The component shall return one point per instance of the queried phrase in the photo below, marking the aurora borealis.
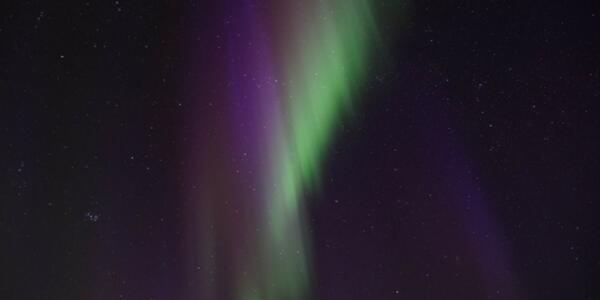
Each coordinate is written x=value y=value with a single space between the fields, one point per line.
x=299 y=150
x=321 y=75
x=294 y=97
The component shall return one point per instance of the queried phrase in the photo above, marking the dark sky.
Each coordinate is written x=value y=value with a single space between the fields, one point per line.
x=470 y=171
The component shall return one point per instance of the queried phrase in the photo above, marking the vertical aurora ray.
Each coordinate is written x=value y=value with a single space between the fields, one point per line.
x=321 y=75
x=288 y=90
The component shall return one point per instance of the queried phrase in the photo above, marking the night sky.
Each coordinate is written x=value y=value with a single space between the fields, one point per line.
x=300 y=149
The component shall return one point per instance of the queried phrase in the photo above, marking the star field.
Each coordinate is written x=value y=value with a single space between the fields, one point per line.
x=158 y=150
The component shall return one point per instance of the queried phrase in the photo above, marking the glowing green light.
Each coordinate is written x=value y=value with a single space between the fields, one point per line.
x=322 y=76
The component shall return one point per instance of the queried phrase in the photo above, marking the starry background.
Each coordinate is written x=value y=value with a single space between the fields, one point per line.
x=470 y=172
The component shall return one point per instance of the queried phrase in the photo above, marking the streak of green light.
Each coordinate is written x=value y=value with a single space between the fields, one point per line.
x=322 y=77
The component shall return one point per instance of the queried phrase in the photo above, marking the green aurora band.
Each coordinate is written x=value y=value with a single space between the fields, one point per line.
x=322 y=75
